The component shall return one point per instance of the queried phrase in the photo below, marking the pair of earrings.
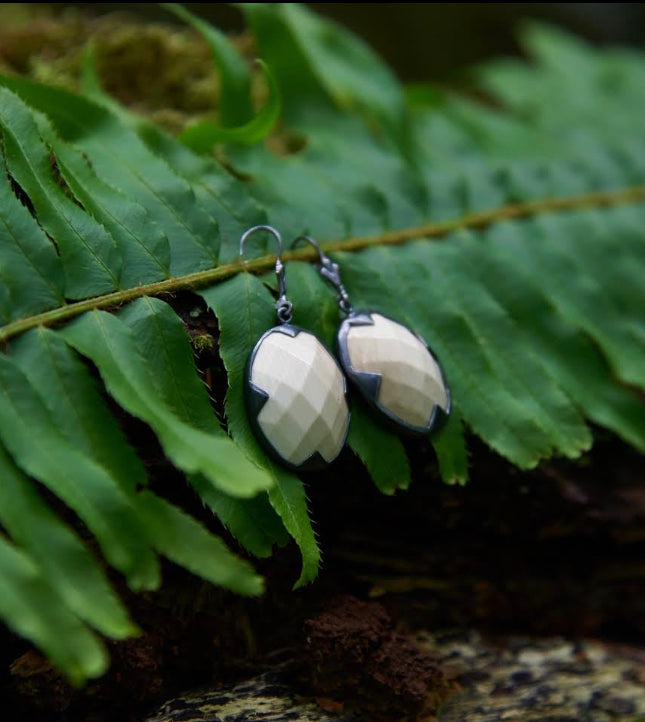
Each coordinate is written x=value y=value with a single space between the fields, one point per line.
x=296 y=390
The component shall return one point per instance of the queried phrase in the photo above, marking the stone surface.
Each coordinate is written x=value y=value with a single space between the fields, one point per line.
x=306 y=410
x=580 y=681
x=269 y=696
x=547 y=680
x=411 y=381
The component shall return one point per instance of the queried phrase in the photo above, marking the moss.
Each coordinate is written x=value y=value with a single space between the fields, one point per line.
x=203 y=342
x=161 y=71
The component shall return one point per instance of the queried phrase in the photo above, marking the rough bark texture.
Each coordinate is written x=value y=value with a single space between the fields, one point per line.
x=353 y=657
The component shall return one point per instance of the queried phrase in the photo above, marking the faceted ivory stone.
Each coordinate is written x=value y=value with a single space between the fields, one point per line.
x=306 y=410
x=411 y=381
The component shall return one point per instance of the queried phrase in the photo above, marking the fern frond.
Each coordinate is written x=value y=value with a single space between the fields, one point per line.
x=511 y=239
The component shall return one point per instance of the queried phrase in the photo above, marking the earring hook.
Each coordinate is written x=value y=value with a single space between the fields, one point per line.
x=283 y=306
x=329 y=270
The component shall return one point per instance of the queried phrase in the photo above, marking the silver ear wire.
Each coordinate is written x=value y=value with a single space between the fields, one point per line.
x=283 y=306
x=295 y=390
x=331 y=272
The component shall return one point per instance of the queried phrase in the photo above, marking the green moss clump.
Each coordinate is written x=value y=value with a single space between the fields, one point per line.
x=162 y=71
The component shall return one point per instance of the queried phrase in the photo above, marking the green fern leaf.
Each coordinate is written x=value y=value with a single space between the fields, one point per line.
x=119 y=157
x=511 y=239
x=31 y=279
x=33 y=609
x=180 y=538
x=143 y=245
x=64 y=561
x=253 y=522
x=91 y=261
x=202 y=136
x=38 y=446
x=315 y=60
x=111 y=345
x=235 y=95
x=245 y=311
x=383 y=454
x=73 y=398
x=450 y=447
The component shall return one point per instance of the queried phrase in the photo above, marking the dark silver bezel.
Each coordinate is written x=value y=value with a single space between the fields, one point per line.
x=255 y=399
x=369 y=383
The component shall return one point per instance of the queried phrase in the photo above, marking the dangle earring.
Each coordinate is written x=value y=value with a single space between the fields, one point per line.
x=392 y=367
x=295 y=389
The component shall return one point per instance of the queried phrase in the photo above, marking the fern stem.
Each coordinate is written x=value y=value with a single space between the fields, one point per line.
x=623 y=196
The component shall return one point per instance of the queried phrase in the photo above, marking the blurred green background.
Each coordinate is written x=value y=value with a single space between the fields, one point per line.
x=434 y=41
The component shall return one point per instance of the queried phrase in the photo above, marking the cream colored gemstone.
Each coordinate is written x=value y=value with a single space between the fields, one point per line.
x=306 y=410
x=411 y=382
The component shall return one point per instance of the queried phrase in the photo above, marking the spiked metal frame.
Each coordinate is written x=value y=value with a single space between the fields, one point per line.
x=369 y=383
x=255 y=398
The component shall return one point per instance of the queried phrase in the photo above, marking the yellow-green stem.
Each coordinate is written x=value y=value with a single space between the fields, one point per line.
x=434 y=231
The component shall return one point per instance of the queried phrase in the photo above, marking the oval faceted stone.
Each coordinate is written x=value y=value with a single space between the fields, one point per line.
x=394 y=369
x=299 y=390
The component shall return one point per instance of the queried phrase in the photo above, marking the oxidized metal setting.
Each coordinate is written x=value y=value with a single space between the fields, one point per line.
x=392 y=366
x=369 y=382
x=306 y=415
